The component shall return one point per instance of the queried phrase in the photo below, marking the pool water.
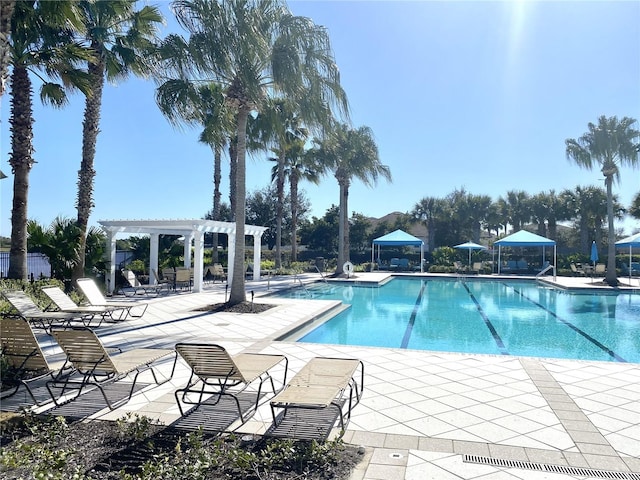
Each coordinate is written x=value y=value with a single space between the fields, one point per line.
x=523 y=318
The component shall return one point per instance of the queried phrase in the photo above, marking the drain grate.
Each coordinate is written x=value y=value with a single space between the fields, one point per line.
x=543 y=467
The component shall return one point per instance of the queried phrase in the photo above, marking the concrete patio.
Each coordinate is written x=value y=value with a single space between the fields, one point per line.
x=423 y=414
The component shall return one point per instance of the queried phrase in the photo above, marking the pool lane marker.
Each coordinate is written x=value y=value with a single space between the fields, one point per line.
x=412 y=320
x=487 y=322
x=610 y=352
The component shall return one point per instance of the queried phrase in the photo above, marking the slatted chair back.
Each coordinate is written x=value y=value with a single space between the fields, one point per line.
x=218 y=271
x=59 y=298
x=91 y=291
x=23 y=303
x=210 y=361
x=20 y=346
x=85 y=350
x=131 y=278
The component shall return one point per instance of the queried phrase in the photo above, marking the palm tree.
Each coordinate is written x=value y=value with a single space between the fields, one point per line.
x=121 y=39
x=610 y=144
x=278 y=124
x=298 y=165
x=6 y=11
x=253 y=49
x=184 y=102
x=428 y=210
x=41 y=41
x=634 y=209
x=518 y=205
x=350 y=154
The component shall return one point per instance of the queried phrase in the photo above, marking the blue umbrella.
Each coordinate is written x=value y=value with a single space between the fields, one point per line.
x=594 y=253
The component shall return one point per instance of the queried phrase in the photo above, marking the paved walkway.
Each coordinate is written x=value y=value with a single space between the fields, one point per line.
x=423 y=414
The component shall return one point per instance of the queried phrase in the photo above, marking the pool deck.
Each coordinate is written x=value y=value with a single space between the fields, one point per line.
x=423 y=414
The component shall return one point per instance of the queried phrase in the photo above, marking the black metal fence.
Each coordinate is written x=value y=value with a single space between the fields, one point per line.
x=38 y=265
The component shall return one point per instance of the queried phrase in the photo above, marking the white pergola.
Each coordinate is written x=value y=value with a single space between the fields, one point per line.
x=193 y=232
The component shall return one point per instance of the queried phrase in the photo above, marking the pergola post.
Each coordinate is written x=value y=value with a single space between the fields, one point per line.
x=111 y=248
x=187 y=249
x=231 y=256
x=154 y=245
x=198 y=260
x=257 y=253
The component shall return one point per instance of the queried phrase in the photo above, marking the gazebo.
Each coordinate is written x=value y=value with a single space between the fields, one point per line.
x=398 y=238
x=524 y=238
x=192 y=231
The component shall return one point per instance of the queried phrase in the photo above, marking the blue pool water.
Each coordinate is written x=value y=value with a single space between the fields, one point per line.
x=521 y=318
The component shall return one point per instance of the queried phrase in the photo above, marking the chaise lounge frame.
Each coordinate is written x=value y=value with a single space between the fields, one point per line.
x=215 y=372
x=95 y=297
x=23 y=353
x=27 y=309
x=324 y=382
x=98 y=368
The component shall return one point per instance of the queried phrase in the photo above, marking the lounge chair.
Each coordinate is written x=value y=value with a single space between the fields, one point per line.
x=166 y=283
x=136 y=288
x=98 y=367
x=477 y=267
x=215 y=272
x=183 y=278
x=27 y=309
x=460 y=268
x=600 y=269
x=394 y=263
x=575 y=270
x=23 y=354
x=215 y=372
x=64 y=303
x=95 y=297
x=321 y=384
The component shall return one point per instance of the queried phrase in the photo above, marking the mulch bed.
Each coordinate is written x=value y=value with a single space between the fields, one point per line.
x=244 y=307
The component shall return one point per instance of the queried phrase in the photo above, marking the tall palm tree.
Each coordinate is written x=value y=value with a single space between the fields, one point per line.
x=298 y=165
x=350 y=153
x=279 y=125
x=6 y=12
x=121 y=39
x=185 y=102
x=611 y=143
x=41 y=41
x=254 y=49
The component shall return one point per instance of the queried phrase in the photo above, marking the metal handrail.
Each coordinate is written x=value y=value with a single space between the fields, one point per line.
x=546 y=269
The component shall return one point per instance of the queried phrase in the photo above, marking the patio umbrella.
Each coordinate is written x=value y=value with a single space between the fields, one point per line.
x=631 y=242
x=594 y=253
x=594 y=257
x=470 y=246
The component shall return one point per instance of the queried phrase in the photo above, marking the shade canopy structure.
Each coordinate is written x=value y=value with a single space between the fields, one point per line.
x=471 y=246
x=398 y=238
x=192 y=231
x=523 y=238
x=630 y=242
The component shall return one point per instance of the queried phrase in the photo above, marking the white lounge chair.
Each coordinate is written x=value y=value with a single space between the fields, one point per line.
x=95 y=297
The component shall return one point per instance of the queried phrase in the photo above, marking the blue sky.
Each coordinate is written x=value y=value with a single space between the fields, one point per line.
x=480 y=95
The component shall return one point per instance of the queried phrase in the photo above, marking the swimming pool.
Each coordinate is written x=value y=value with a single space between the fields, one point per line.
x=523 y=318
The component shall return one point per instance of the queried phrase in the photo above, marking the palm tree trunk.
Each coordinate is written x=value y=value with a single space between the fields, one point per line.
x=6 y=11
x=294 y=215
x=237 y=294
x=217 y=195
x=87 y=173
x=21 y=161
x=233 y=165
x=279 y=208
x=611 y=276
x=343 y=226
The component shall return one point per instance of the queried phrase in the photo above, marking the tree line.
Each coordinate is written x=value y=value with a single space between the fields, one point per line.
x=251 y=76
